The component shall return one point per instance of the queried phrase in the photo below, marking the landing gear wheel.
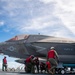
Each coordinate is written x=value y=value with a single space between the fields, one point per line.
x=62 y=71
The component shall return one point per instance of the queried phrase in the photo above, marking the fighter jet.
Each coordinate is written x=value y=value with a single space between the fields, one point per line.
x=22 y=46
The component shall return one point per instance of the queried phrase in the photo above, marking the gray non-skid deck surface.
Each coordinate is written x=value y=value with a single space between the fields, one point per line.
x=22 y=73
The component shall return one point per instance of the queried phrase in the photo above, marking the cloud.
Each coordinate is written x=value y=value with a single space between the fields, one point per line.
x=49 y=17
x=1 y=23
x=47 y=1
x=6 y=30
x=65 y=11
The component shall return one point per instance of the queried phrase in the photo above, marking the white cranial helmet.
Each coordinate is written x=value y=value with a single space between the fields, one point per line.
x=52 y=48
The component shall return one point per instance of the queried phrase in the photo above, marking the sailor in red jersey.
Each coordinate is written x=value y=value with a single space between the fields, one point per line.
x=52 y=57
x=4 y=64
x=29 y=62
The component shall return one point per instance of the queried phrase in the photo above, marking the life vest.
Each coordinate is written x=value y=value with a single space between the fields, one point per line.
x=51 y=54
x=28 y=60
x=4 y=61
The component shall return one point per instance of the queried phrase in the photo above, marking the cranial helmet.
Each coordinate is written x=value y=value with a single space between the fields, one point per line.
x=4 y=56
x=32 y=56
x=52 y=48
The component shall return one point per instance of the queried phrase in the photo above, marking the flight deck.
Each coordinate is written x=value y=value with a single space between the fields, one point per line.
x=23 y=73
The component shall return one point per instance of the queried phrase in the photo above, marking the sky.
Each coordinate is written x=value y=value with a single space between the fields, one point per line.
x=47 y=17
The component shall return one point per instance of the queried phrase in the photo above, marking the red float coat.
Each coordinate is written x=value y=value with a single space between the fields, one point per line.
x=51 y=54
x=4 y=61
x=28 y=59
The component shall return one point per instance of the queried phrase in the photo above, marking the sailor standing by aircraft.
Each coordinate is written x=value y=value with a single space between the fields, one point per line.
x=52 y=57
x=4 y=65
